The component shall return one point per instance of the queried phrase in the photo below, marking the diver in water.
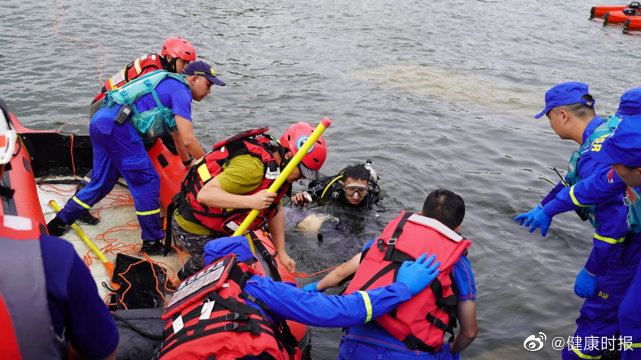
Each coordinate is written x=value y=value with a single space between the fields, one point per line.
x=354 y=186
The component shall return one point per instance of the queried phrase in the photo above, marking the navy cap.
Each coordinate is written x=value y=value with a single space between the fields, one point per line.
x=201 y=68
x=565 y=94
x=630 y=103
x=623 y=146
x=219 y=248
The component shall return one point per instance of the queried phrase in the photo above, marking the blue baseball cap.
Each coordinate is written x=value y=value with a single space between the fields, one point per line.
x=630 y=103
x=565 y=94
x=221 y=247
x=623 y=146
x=201 y=68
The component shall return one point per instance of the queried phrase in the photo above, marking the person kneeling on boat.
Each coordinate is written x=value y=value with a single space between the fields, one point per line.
x=240 y=314
x=49 y=303
x=222 y=188
x=416 y=329
x=146 y=108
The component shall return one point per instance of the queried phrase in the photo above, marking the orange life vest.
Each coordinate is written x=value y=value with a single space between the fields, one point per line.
x=142 y=65
x=253 y=142
x=420 y=323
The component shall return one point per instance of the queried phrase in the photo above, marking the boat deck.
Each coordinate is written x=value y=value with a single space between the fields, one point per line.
x=117 y=232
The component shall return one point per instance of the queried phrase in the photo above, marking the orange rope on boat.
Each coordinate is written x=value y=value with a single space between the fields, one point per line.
x=73 y=162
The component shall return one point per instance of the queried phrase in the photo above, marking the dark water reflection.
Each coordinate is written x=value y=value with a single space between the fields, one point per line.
x=437 y=94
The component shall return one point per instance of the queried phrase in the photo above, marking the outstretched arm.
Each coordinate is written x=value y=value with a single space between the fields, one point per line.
x=337 y=275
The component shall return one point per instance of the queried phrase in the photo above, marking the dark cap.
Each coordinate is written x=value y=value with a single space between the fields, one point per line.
x=200 y=68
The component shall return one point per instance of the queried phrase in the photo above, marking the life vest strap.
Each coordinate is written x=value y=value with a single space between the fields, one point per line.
x=415 y=343
x=397 y=233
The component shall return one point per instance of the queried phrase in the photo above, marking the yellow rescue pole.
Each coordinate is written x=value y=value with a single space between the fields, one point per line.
x=324 y=124
x=94 y=248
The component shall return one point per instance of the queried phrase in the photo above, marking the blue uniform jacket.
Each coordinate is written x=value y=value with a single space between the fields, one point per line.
x=286 y=301
x=610 y=212
x=77 y=311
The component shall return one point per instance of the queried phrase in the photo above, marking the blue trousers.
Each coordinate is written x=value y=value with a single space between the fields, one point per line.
x=356 y=350
x=118 y=149
x=630 y=319
x=598 y=317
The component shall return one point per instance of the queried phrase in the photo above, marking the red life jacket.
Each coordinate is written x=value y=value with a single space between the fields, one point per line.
x=208 y=318
x=25 y=321
x=420 y=323
x=142 y=65
x=253 y=142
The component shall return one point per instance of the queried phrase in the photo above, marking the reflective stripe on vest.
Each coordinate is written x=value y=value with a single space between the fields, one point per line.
x=24 y=291
x=133 y=71
x=154 y=122
x=591 y=143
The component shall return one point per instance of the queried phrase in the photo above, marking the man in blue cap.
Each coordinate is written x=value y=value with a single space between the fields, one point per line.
x=243 y=302
x=570 y=109
x=606 y=183
x=623 y=151
x=151 y=106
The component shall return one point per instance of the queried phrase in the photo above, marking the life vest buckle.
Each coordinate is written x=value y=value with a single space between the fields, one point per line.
x=391 y=241
x=232 y=316
x=231 y=326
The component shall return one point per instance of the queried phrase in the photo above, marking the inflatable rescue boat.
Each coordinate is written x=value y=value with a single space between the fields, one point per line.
x=629 y=15
x=53 y=160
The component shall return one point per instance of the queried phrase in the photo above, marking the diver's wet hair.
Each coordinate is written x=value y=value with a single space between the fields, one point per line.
x=356 y=172
x=445 y=206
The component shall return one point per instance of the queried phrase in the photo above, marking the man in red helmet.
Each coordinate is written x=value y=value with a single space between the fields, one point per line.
x=176 y=54
x=221 y=189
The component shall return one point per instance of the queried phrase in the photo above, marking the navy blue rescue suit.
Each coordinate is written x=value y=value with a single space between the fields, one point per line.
x=118 y=149
x=615 y=253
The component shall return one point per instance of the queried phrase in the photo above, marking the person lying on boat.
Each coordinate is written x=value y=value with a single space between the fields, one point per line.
x=355 y=186
x=222 y=188
x=49 y=303
x=243 y=315
x=148 y=107
x=174 y=57
x=436 y=227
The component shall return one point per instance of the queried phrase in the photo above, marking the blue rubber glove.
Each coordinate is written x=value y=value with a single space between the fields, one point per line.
x=528 y=216
x=418 y=274
x=448 y=353
x=541 y=220
x=311 y=288
x=585 y=284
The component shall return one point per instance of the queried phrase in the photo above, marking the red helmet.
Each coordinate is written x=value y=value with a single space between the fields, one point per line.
x=178 y=47
x=294 y=137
